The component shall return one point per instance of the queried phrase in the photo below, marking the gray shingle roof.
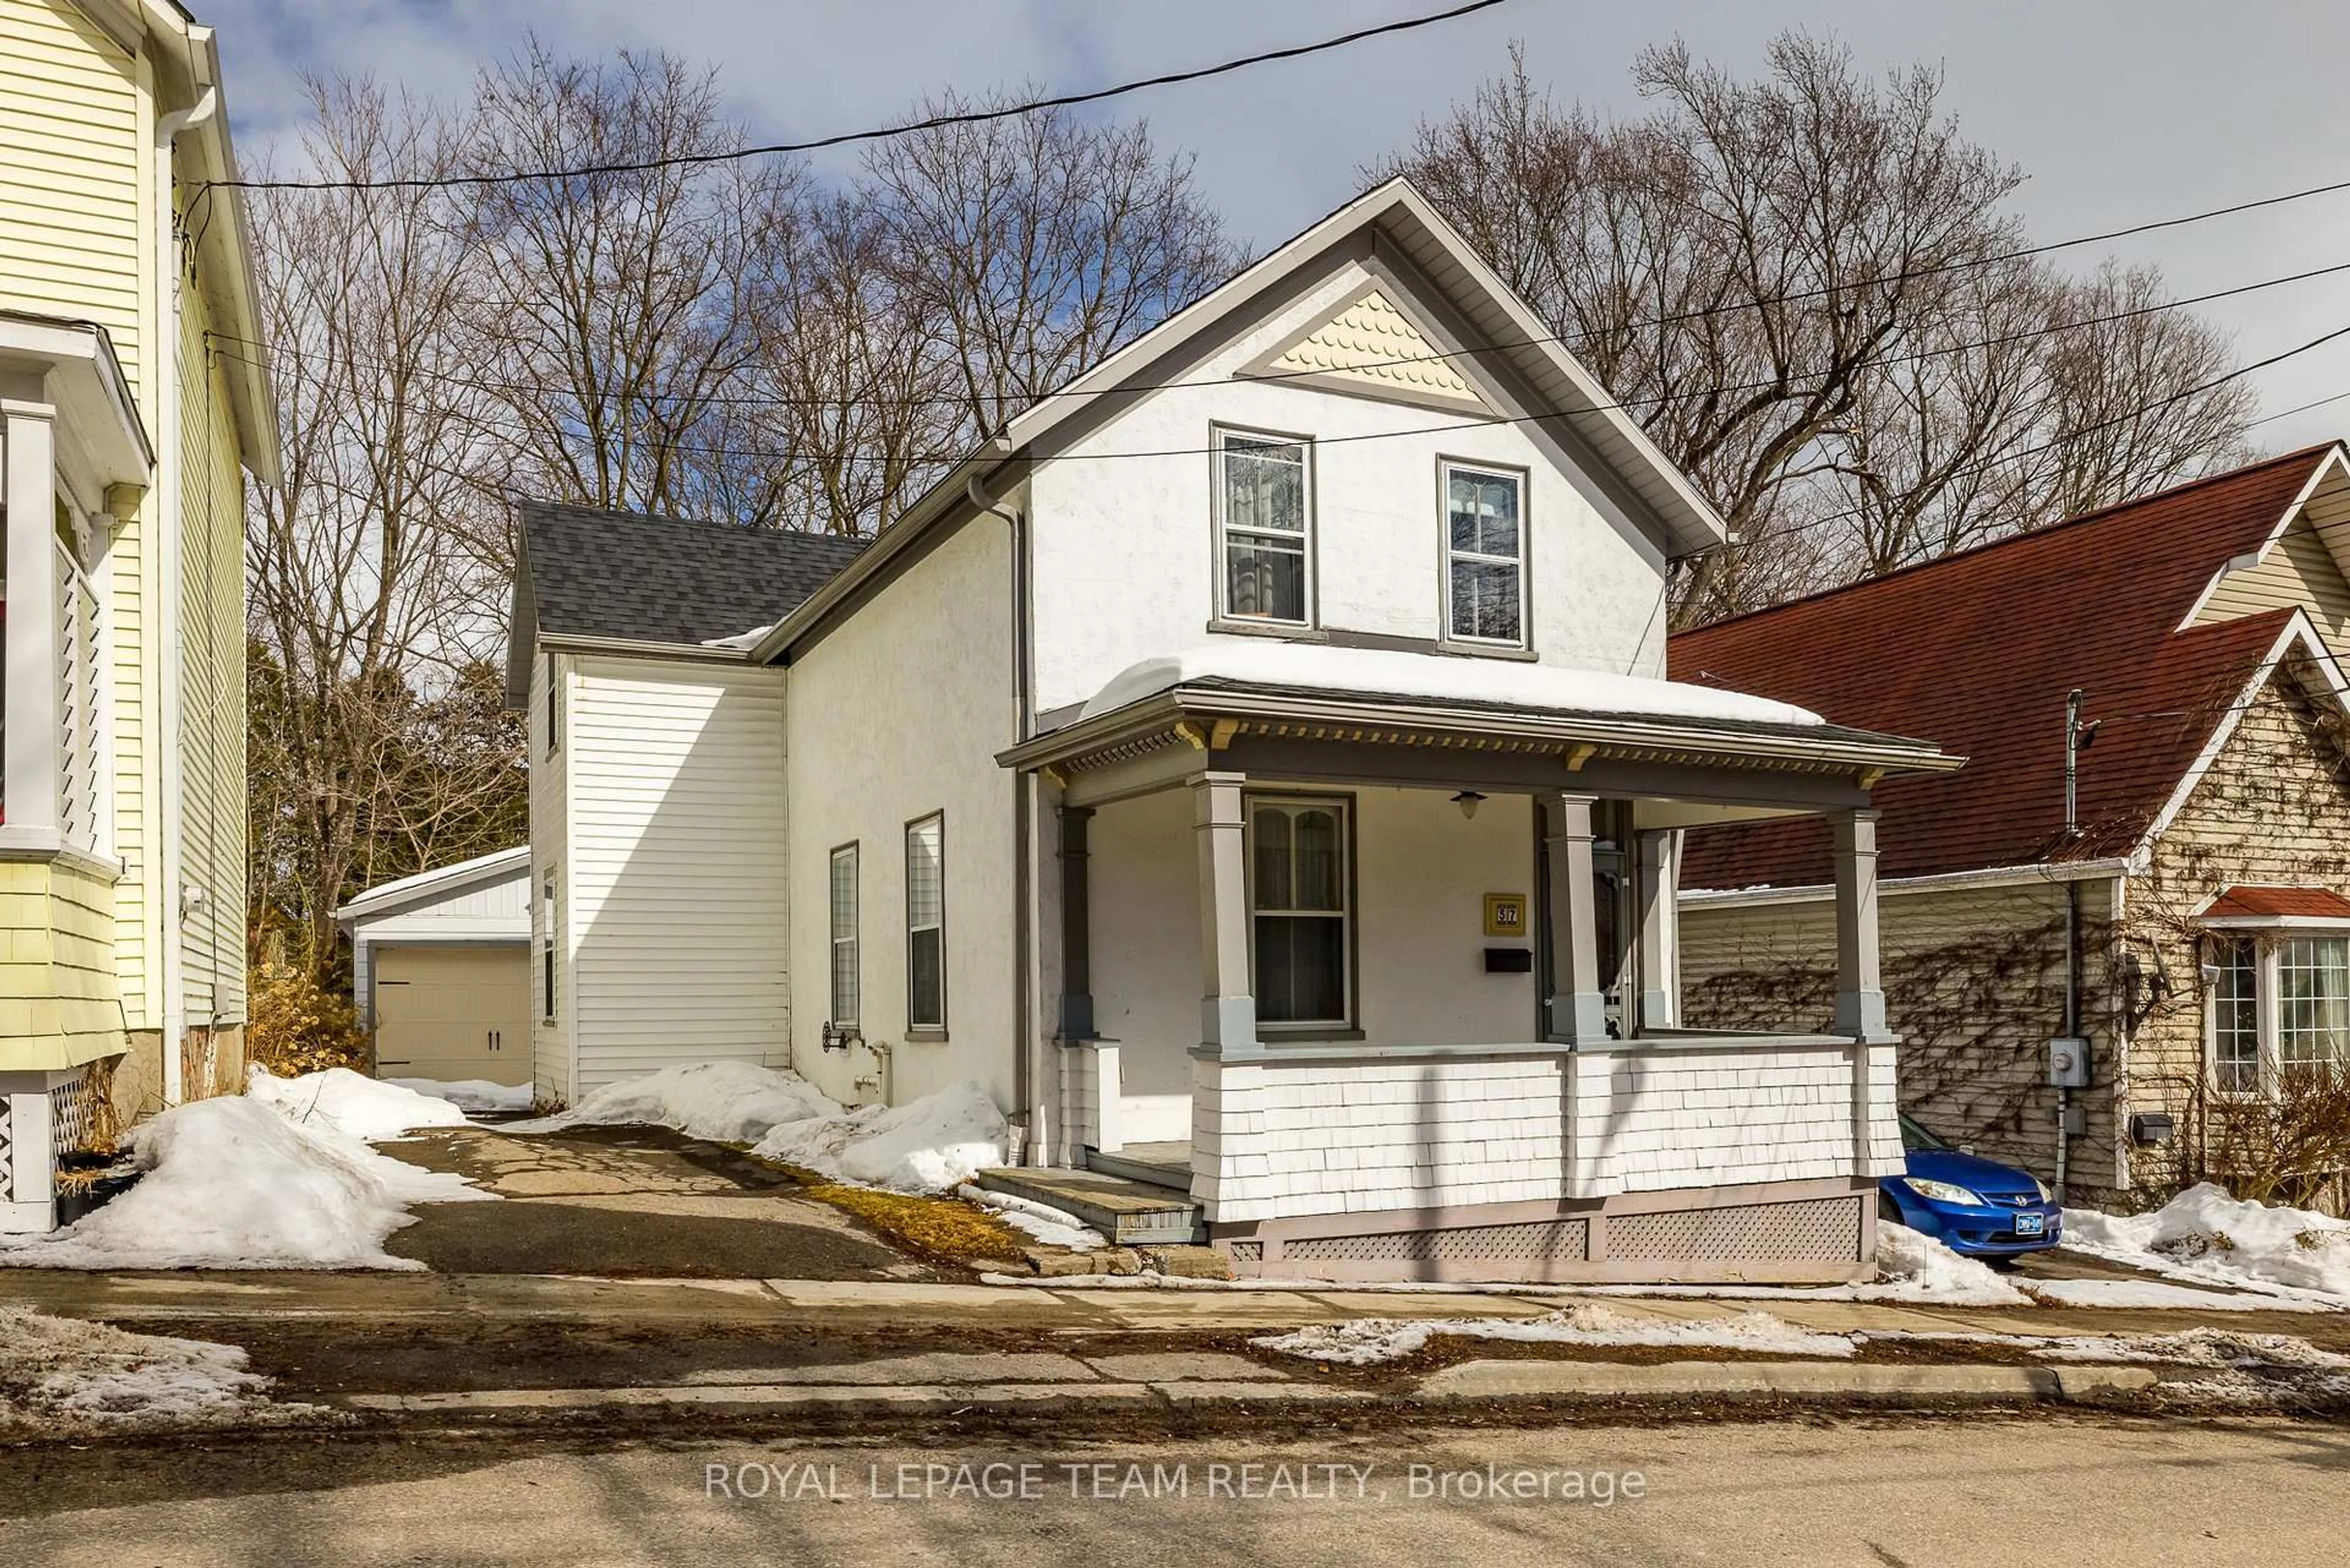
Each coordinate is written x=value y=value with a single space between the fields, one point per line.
x=668 y=579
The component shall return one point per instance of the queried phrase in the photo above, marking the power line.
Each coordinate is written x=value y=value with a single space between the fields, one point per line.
x=1483 y=423
x=1128 y=389
x=846 y=138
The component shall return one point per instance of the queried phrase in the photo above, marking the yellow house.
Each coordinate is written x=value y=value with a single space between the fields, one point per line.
x=132 y=406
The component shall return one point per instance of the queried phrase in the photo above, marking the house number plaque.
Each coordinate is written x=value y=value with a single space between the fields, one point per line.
x=1505 y=914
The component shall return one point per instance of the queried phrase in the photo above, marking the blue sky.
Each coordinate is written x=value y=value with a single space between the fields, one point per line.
x=2121 y=111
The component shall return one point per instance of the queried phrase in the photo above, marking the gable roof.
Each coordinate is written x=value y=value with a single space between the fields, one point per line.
x=442 y=882
x=1500 y=332
x=676 y=581
x=1977 y=652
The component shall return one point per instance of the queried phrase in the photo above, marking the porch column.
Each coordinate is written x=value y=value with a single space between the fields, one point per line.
x=1654 y=856
x=1076 y=928
x=29 y=785
x=1578 y=1013
x=1860 y=993
x=1227 y=1005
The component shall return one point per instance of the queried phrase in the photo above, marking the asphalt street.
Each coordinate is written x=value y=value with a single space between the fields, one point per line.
x=1948 y=1493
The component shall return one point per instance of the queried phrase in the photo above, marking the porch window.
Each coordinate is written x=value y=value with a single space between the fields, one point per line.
x=844 y=935
x=1486 y=562
x=1266 y=518
x=1300 y=905
x=926 y=924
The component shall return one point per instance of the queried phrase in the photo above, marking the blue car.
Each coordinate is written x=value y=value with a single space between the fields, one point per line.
x=1976 y=1207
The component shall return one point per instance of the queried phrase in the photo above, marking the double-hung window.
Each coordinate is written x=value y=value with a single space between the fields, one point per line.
x=1301 y=911
x=1265 y=522
x=844 y=974
x=2277 y=1005
x=1484 y=556
x=926 y=924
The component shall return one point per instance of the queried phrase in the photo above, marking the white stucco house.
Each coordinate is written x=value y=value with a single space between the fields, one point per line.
x=1254 y=766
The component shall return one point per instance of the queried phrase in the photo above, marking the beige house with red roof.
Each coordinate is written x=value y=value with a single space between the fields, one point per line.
x=2160 y=867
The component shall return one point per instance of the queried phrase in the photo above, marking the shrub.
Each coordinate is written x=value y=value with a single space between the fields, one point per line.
x=295 y=1026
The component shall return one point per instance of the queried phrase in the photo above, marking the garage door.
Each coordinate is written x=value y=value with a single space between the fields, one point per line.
x=453 y=1014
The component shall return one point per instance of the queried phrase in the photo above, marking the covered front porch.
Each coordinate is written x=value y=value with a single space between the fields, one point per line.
x=1388 y=986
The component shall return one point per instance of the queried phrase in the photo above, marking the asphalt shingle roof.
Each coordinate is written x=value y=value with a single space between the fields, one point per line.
x=668 y=579
x=1976 y=652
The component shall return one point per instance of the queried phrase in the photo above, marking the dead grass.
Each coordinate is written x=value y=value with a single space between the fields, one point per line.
x=945 y=1229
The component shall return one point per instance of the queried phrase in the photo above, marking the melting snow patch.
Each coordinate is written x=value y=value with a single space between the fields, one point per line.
x=1369 y=1341
x=726 y=1102
x=235 y=1183
x=2158 y=1294
x=930 y=1145
x=64 y=1377
x=2204 y=1235
x=475 y=1096
x=352 y=1104
x=1054 y=1227
x=1913 y=1266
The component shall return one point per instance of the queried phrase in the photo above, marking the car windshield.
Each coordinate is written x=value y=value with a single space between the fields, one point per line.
x=1917 y=1140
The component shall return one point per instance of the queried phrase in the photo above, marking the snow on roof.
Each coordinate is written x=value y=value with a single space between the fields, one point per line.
x=481 y=866
x=1367 y=671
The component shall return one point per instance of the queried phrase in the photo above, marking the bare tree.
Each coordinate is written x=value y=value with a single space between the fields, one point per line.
x=613 y=309
x=371 y=568
x=1034 y=246
x=1796 y=284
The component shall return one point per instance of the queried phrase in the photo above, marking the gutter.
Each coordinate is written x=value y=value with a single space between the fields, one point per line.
x=1988 y=876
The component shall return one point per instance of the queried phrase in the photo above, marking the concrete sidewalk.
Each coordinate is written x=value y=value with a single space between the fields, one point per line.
x=874 y=1305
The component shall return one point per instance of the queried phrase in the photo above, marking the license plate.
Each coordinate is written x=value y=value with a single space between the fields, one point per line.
x=2031 y=1224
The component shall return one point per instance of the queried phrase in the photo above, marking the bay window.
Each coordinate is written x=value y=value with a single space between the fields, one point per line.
x=1265 y=528
x=2276 y=1004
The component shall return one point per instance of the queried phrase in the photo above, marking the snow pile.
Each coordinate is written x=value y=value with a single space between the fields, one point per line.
x=725 y=1102
x=931 y=1145
x=1913 y=1266
x=1487 y=682
x=475 y=1096
x=64 y=1377
x=352 y=1104
x=1367 y=1341
x=744 y=639
x=239 y=1183
x=1052 y=1227
x=2207 y=1236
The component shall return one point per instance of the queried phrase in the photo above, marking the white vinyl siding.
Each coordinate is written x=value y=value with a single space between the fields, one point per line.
x=673 y=921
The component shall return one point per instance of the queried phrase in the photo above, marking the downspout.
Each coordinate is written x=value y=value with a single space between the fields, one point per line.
x=1025 y=1070
x=170 y=813
x=2072 y=965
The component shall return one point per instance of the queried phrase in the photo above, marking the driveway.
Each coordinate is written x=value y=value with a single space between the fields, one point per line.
x=624 y=1202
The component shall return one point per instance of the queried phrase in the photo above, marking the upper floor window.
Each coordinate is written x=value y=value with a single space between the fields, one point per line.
x=1265 y=524
x=1485 y=556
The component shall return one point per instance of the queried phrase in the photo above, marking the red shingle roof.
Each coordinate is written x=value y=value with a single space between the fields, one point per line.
x=1976 y=652
x=2274 y=903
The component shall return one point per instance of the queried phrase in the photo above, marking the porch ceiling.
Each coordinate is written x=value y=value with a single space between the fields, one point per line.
x=1290 y=732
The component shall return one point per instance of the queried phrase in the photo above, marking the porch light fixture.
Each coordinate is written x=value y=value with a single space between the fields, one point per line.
x=1469 y=800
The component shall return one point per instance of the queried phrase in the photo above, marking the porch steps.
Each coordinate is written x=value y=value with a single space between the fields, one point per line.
x=1166 y=1165
x=1131 y=1214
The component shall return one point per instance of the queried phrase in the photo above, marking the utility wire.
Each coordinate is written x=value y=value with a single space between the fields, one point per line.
x=879 y=133
x=1127 y=389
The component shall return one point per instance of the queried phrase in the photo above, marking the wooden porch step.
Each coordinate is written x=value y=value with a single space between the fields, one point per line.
x=1131 y=1214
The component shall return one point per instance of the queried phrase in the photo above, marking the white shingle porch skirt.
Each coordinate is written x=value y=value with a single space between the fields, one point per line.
x=1741 y=1158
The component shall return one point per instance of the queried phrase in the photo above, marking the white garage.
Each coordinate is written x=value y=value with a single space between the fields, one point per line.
x=441 y=970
